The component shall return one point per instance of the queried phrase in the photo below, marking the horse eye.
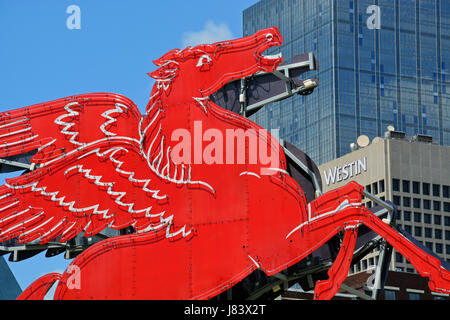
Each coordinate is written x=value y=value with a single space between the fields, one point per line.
x=269 y=37
x=204 y=59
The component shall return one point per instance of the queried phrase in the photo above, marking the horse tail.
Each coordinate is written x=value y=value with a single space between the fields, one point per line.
x=39 y=288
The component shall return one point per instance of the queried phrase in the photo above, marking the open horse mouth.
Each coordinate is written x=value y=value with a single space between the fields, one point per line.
x=248 y=48
x=271 y=38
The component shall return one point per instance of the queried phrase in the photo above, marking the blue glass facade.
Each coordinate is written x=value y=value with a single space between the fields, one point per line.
x=9 y=288
x=370 y=78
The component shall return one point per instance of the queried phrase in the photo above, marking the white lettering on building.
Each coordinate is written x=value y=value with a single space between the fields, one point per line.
x=338 y=174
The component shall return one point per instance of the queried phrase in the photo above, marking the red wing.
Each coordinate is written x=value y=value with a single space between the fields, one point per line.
x=60 y=126
x=105 y=185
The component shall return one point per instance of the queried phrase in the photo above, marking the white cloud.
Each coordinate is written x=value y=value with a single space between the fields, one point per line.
x=209 y=34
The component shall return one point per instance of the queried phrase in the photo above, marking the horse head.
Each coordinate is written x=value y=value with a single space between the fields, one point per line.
x=197 y=72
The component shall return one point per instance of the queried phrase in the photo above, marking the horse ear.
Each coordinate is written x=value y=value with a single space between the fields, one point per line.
x=171 y=55
x=158 y=62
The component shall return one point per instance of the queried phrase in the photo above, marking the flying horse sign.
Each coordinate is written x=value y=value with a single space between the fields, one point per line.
x=200 y=227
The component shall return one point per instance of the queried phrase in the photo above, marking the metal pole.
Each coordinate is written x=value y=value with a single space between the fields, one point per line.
x=243 y=98
x=385 y=252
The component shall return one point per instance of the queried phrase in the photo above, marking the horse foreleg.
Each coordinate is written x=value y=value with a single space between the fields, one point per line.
x=424 y=263
x=355 y=213
x=326 y=289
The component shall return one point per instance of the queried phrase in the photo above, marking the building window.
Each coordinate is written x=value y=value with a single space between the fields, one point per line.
x=369 y=188
x=437 y=219
x=439 y=297
x=447 y=248
x=426 y=189
x=429 y=245
x=426 y=204
x=446 y=191
x=436 y=205
x=398 y=257
x=382 y=186
x=390 y=294
x=438 y=233
x=395 y=184
x=439 y=249
x=447 y=236
x=396 y=200
x=446 y=207
x=375 y=188
x=427 y=218
x=436 y=190
x=408 y=229
x=447 y=221
x=407 y=202
x=417 y=217
x=407 y=215
x=416 y=203
x=398 y=215
x=416 y=187
x=428 y=233
x=418 y=231
x=414 y=296
x=406 y=184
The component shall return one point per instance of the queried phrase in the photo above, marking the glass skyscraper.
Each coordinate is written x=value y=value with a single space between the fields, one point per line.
x=381 y=63
x=9 y=287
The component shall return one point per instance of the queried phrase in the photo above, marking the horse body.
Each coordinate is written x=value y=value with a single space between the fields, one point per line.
x=202 y=223
x=237 y=222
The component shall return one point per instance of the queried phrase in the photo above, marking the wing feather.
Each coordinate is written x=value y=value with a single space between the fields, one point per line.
x=91 y=171
x=104 y=184
x=57 y=127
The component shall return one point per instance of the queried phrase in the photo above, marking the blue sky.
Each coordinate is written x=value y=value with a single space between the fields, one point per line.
x=41 y=59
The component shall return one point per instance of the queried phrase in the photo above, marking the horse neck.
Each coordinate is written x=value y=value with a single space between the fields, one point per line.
x=171 y=92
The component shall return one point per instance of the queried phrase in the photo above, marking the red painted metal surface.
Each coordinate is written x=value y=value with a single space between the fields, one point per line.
x=39 y=288
x=202 y=224
x=326 y=289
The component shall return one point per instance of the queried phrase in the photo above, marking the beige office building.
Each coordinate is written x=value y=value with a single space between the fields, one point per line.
x=413 y=173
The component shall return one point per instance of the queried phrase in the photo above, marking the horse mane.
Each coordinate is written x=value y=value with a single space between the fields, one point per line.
x=168 y=68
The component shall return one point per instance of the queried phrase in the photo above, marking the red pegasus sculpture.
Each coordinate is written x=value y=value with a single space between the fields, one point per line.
x=201 y=224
